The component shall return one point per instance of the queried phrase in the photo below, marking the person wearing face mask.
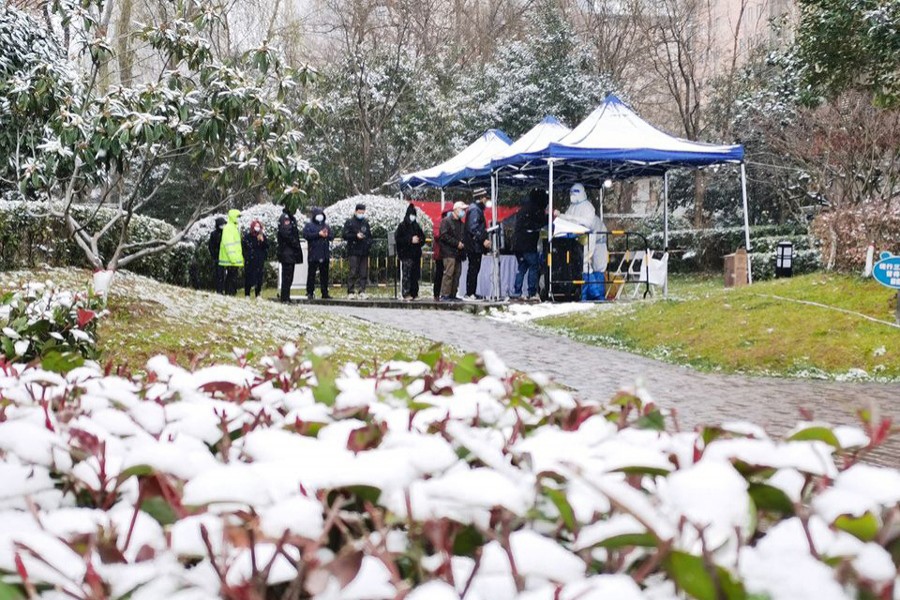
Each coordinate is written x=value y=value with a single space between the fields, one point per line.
x=476 y=240
x=410 y=239
x=596 y=255
x=290 y=252
x=452 y=250
x=256 y=250
x=231 y=255
x=214 y=244
x=319 y=237
x=358 y=235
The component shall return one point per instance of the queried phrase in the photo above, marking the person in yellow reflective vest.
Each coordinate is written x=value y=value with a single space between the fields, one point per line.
x=231 y=256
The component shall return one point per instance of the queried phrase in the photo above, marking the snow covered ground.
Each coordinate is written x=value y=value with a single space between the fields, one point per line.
x=519 y=313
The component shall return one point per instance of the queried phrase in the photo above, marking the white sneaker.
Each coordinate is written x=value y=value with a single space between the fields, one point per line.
x=363 y=296
x=352 y=296
x=470 y=299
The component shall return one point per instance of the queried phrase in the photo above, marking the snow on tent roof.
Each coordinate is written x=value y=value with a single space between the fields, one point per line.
x=473 y=161
x=533 y=144
x=614 y=132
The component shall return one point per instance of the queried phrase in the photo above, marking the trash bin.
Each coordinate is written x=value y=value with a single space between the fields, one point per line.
x=736 y=269
x=784 y=259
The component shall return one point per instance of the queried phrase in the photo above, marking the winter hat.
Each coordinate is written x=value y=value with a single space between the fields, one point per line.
x=479 y=193
x=360 y=206
x=577 y=194
x=460 y=205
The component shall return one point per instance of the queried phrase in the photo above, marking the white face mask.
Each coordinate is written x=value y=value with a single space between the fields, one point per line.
x=257 y=229
x=412 y=218
x=320 y=218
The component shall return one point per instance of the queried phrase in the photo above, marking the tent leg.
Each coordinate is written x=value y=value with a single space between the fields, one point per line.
x=666 y=226
x=442 y=201
x=550 y=235
x=746 y=221
x=601 y=202
x=495 y=250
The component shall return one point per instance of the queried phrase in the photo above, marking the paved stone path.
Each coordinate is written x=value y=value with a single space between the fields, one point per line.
x=597 y=373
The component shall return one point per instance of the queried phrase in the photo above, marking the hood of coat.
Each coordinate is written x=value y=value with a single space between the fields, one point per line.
x=220 y=222
x=315 y=213
x=233 y=216
x=411 y=211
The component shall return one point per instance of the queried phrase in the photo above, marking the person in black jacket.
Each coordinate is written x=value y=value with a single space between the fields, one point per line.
x=215 y=241
x=477 y=242
x=256 y=250
x=358 y=235
x=318 y=236
x=410 y=239
x=452 y=249
x=529 y=222
x=290 y=252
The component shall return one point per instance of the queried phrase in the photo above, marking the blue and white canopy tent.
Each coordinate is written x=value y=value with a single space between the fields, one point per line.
x=613 y=142
x=472 y=162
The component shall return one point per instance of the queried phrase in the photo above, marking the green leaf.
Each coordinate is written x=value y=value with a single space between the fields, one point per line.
x=467 y=369
x=431 y=356
x=770 y=499
x=691 y=575
x=629 y=539
x=326 y=390
x=365 y=492
x=822 y=434
x=558 y=497
x=865 y=527
x=467 y=541
x=637 y=470
x=652 y=420
x=160 y=510
x=10 y=592
x=136 y=470
x=61 y=362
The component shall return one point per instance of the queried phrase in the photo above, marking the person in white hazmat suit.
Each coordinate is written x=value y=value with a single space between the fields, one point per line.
x=596 y=255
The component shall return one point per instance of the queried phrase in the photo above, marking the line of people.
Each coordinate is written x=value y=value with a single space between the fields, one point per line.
x=462 y=235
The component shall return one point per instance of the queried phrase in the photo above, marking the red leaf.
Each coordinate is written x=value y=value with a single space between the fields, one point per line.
x=20 y=567
x=85 y=316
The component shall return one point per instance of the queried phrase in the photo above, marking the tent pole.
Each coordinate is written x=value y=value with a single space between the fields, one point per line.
x=746 y=221
x=442 y=201
x=666 y=226
x=550 y=234
x=601 y=201
x=495 y=250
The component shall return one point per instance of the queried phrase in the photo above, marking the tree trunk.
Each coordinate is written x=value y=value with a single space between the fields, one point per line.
x=699 y=198
x=124 y=54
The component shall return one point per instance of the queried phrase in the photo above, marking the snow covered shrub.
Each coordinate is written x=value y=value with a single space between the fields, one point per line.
x=804 y=261
x=698 y=250
x=424 y=479
x=384 y=214
x=29 y=237
x=41 y=321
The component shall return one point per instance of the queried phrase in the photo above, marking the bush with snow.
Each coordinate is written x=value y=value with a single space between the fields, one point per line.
x=383 y=212
x=41 y=321
x=301 y=479
x=266 y=213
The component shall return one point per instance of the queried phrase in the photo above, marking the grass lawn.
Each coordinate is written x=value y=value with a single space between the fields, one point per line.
x=149 y=318
x=751 y=330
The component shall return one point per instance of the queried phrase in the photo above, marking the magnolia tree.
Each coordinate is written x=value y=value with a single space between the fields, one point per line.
x=66 y=139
